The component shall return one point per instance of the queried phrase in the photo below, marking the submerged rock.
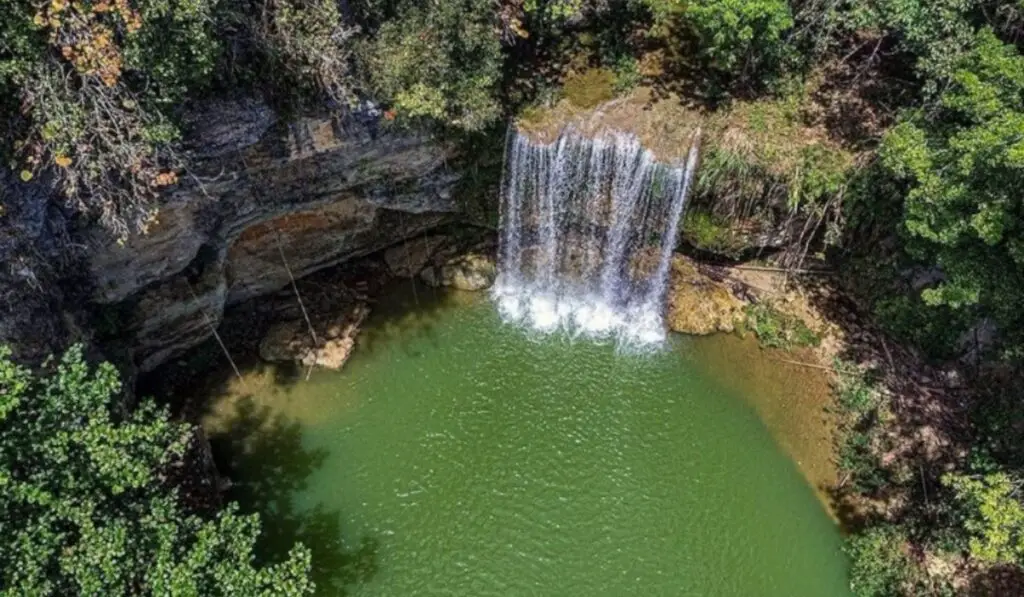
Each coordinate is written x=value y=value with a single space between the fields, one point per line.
x=473 y=271
x=697 y=304
x=292 y=341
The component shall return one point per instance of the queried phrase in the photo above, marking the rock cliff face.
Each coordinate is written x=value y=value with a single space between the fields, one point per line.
x=32 y=248
x=268 y=200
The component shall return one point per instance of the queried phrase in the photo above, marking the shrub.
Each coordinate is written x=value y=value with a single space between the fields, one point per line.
x=307 y=46
x=856 y=394
x=93 y=82
x=992 y=514
x=775 y=329
x=858 y=459
x=627 y=74
x=880 y=566
x=85 y=504
x=705 y=231
x=554 y=10
x=441 y=64
x=738 y=36
x=861 y=411
x=733 y=38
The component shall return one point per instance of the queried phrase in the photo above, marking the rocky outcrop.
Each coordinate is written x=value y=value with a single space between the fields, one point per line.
x=267 y=201
x=33 y=255
x=409 y=258
x=697 y=304
x=473 y=271
x=329 y=345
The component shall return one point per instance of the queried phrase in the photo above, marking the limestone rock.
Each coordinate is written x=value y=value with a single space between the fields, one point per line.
x=697 y=304
x=173 y=316
x=291 y=340
x=409 y=258
x=320 y=191
x=473 y=271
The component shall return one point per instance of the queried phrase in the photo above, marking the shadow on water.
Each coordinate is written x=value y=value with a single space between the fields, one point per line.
x=259 y=449
x=407 y=316
x=263 y=455
x=930 y=431
x=404 y=316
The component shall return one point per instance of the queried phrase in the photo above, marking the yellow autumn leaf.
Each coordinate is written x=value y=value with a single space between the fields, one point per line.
x=63 y=161
x=26 y=175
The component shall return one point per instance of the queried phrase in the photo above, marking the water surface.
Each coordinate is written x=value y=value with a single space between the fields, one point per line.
x=459 y=457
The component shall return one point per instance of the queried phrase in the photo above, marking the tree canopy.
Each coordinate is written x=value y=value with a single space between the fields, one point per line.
x=86 y=506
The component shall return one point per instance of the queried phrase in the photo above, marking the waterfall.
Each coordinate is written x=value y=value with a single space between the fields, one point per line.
x=588 y=227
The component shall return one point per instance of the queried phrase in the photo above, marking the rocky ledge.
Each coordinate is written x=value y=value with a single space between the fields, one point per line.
x=268 y=201
x=698 y=304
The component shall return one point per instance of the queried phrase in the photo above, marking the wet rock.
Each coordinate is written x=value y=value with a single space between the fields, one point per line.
x=409 y=258
x=697 y=304
x=292 y=341
x=473 y=271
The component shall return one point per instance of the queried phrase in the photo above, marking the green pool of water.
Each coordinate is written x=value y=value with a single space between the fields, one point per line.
x=455 y=456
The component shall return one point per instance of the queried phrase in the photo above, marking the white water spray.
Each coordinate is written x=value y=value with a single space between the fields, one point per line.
x=588 y=227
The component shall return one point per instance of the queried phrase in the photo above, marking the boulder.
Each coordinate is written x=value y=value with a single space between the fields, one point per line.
x=697 y=304
x=291 y=340
x=473 y=271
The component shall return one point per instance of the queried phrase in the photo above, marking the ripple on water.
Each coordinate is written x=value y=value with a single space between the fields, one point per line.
x=482 y=463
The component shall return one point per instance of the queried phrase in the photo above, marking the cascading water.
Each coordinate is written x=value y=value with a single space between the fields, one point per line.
x=588 y=226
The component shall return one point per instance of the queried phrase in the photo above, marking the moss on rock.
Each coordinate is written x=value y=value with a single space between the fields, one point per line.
x=697 y=304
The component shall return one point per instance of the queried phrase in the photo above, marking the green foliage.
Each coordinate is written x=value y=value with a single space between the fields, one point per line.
x=627 y=74
x=555 y=10
x=733 y=38
x=94 y=82
x=856 y=393
x=880 y=566
x=307 y=47
x=740 y=35
x=997 y=415
x=933 y=328
x=993 y=516
x=706 y=231
x=857 y=457
x=175 y=49
x=963 y=166
x=775 y=329
x=441 y=63
x=861 y=414
x=86 y=508
x=762 y=163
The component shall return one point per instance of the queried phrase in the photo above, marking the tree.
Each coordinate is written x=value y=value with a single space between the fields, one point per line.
x=441 y=63
x=879 y=565
x=90 y=85
x=992 y=516
x=85 y=502
x=92 y=89
x=963 y=166
x=742 y=39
